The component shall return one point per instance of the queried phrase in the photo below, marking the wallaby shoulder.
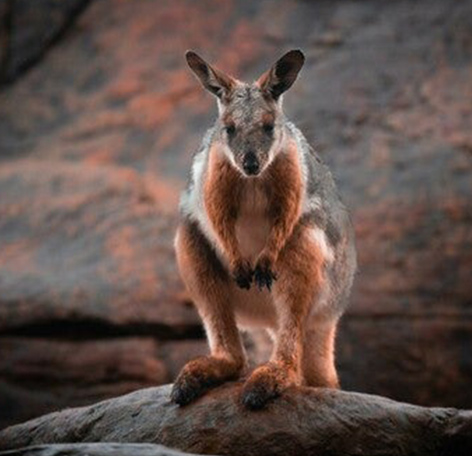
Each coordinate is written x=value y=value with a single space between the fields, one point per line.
x=322 y=203
x=190 y=201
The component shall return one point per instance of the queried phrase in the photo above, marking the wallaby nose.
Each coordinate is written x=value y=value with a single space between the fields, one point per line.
x=251 y=164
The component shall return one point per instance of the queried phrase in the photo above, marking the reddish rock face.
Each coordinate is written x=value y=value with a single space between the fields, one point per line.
x=27 y=30
x=88 y=244
x=96 y=142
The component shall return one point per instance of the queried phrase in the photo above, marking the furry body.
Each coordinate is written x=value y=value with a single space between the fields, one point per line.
x=274 y=251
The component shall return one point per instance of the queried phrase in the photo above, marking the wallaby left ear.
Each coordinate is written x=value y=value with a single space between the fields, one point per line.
x=283 y=74
x=215 y=81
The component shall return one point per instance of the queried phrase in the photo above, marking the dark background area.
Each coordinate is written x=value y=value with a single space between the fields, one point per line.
x=99 y=117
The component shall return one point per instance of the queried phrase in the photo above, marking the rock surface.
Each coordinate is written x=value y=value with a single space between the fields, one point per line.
x=95 y=449
x=27 y=30
x=88 y=245
x=302 y=421
x=95 y=144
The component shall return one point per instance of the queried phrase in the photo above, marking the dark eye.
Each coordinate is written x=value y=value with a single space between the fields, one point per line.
x=268 y=128
x=230 y=130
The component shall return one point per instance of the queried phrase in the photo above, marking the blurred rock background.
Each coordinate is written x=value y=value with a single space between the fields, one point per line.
x=99 y=117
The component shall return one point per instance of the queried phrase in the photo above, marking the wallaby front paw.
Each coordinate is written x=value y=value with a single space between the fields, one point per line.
x=263 y=274
x=265 y=384
x=201 y=374
x=242 y=274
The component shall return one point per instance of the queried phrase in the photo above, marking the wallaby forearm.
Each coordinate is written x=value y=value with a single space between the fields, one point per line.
x=285 y=203
x=280 y=233
x=221 y=204
x=224 y=224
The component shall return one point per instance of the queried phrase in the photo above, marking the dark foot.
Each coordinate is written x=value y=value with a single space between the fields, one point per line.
x=257 y=396
x=264 y=277
x=187 y=389
x=242 y=275
x=199 y=375
x=265 y=384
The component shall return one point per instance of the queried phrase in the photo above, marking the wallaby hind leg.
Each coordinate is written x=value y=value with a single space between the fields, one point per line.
x=318 y=354
x=208 y=283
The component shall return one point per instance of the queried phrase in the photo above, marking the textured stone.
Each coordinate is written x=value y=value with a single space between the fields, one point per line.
x=27 y=30
x=96 y=449
x=43 y=374
x=86 y=255
x=88 y=245
x=302 y=421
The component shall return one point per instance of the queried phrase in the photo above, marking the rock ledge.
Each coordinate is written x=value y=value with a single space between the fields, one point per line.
x=303 y=421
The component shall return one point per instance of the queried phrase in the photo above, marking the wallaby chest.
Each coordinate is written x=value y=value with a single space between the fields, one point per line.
x=252 y=224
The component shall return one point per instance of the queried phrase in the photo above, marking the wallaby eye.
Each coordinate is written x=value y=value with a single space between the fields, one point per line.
x=230 y=129
x=268 y=128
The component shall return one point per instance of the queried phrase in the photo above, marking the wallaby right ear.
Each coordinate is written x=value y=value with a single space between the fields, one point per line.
x=215 y=81
x=282 y=75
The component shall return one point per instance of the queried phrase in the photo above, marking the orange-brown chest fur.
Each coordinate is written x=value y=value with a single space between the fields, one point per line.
x=245 y=209
x=253 y=221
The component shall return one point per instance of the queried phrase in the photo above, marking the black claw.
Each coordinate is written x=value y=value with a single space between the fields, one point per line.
x=182 y=397
x=243 y=277
x=185 y=392
x=264 y=277
x=243 y=282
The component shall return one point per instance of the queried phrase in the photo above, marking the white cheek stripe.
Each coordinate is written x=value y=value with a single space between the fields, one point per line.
x=276 y=147
x=176 y=239
x=230 y=156
x=319 y=237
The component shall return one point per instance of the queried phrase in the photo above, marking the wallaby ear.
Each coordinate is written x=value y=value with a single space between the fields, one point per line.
x=215 y=81
x=283 y=74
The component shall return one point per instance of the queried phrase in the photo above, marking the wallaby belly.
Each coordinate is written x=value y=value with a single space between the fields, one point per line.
x=253 y=225
x=252 y=231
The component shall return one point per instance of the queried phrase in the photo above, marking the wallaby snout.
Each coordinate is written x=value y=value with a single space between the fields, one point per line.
x=251 y=164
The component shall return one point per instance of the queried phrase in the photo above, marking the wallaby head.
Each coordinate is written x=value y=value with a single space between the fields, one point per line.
x=250 y=124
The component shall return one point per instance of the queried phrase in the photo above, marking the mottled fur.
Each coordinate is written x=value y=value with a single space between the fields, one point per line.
x=264 y=246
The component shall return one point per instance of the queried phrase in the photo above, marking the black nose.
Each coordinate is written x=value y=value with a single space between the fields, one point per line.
x=251 y=164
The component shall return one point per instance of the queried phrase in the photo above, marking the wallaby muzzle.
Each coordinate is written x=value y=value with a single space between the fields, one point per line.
x=251 y=164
